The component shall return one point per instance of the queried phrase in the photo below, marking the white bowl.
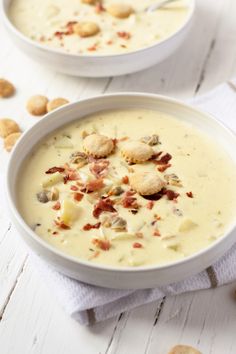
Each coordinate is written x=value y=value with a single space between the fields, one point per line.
x=114 y=277
x=98 y=65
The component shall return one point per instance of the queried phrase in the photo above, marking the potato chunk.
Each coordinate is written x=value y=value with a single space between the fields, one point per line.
x=187 y=225
x=69 y=212
x=53 y=179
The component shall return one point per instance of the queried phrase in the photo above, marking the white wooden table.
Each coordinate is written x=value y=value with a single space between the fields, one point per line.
x=31 y=320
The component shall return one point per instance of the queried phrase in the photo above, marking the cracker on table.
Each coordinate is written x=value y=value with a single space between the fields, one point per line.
x=7 y=127
x=10 y=141
x=37 y=105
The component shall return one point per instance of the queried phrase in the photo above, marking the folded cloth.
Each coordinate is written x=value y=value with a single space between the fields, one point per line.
x=89 y=304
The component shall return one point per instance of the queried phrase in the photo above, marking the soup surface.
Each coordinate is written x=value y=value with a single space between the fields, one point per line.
x=128 y=188
x=97 y=28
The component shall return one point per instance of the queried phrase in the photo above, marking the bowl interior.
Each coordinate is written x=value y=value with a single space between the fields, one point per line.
x=78 y=110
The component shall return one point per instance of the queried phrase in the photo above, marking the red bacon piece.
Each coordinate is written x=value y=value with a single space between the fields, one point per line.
x=94 y=185
x=164 y=167
x=61 y=225
x=99 y=8
x=102 y=244
x=71 y=175
x=103 y=205
x=54 y=170
x=88 y=227
x=69 y=26
x=129 y=201
x=78 y=196
x=124 y=35
x=74 y=188
x=137 y=245
x=171 y=195
x=99 y=168
x=57 y=206
x=189 y=194
x=150 y=204
x=125 y=180
x=164 y=159
x=93 y=48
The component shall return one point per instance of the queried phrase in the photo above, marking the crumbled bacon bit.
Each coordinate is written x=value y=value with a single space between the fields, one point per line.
x=125 y=180
x=55 y=233
x=93 y=48
x=156 y=233
x=69 y=26
x=171 y=195
x=124 y=35
x=61 y=225
x=99 y=8
x=66 y=179
x=137 y=245
x=59 y=34
x=163 y=168
x=189 y=194
x=94 y=185
x=74 y=188
x=69 y=30
x=103 y=205
x=91 y=158
x=54 y=170
x=78 y=196
x=150 y=204
x=72 y=174
x=99 y=168
x=88 y=227
x=57 y=206
x=104 y=245
x=164 y=159
x=128 y=201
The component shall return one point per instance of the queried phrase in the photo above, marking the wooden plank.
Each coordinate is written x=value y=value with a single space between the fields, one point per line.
x=203 y=319
x=38 y=324
x=135 y=327
x=181 y=75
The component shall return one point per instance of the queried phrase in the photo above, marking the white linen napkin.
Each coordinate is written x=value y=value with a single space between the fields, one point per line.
x=89 y=304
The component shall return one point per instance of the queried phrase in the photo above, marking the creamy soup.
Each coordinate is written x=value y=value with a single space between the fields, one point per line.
x=100 y=27
x=81 y=191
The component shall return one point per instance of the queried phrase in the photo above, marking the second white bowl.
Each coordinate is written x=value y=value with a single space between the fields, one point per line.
x=98 y=65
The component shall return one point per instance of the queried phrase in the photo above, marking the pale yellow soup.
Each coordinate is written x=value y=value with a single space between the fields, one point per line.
x=165 y=230
x=48 y=22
